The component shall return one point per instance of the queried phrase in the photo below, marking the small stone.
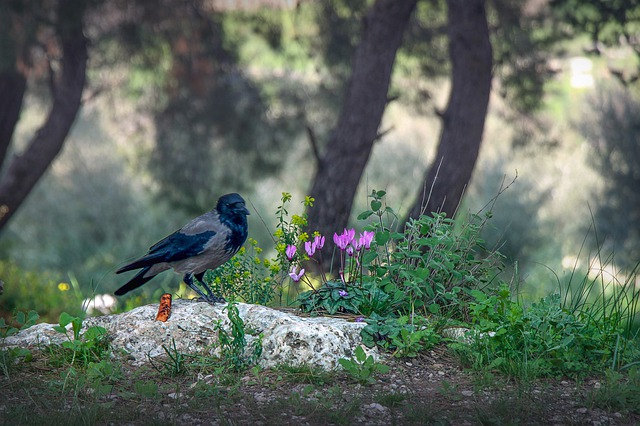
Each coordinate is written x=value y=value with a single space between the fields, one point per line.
x=174 y=395
x=467 y=393
x=582 y=410
x=376 y=406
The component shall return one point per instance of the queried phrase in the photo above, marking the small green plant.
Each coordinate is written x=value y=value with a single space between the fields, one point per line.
x=9 y=356
x=174 y=365
x=305 y=374
x=21 y=320
x=233 y=344
x=363 y=368
x=406 y=339
x=618 y=392
x=247 y=277
x=147 y=389
x=82 y=348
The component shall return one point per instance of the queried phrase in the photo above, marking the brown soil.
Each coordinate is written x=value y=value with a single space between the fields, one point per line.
x=430 y=389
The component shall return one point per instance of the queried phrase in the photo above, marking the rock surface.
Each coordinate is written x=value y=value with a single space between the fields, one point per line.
x=287 y=338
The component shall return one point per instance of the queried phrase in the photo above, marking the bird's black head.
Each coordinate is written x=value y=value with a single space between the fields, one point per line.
x=233 y=214
x=232 y=206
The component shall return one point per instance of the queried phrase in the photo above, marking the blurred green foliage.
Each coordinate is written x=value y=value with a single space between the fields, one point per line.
x=42 y=292
x=611 y=125
x=192 y=103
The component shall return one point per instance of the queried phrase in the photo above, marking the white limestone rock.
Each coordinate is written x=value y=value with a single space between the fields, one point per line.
x=286 y=338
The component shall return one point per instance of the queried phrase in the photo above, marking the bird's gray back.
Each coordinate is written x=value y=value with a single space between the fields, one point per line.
x=214 y=252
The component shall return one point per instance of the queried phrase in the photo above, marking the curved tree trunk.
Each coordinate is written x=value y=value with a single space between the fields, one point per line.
x=347 y=152
x=463 y=120
x=24 y=170
x=12 y=88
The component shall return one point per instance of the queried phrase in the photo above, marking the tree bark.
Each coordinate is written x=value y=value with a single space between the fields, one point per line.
x=25 y=169
x=12 y=88
x=463 y=120
x=339 y=170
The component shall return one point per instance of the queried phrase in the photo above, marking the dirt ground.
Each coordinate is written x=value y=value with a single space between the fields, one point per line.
x=431 y=389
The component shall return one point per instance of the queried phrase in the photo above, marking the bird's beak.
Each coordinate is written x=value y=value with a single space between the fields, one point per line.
x=245 y=211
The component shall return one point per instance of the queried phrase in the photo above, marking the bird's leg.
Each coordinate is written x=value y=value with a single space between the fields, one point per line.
x=212 y=298
x=188 y=280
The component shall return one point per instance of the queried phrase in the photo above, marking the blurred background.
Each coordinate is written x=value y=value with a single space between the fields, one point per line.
x=121 y=120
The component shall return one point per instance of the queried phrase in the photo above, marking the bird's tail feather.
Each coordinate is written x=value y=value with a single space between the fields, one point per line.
x=135 y=282
x=143 y=262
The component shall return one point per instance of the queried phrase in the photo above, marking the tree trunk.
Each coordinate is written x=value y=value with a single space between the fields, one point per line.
x=463 y=120
x=24 y=170
x=347 y=152
x=12 y=88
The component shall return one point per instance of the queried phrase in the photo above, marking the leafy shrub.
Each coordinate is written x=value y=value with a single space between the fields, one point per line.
x=430 y=263
x=423 y=270
x=246 y=277
x=546 y=334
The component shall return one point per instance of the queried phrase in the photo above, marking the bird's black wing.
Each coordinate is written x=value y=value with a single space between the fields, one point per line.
x=175 y=247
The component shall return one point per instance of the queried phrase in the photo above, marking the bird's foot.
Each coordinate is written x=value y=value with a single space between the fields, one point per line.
x=210 y=299
x=213 y=299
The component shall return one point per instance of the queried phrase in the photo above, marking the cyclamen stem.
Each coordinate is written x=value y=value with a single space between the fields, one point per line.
x=319 y=262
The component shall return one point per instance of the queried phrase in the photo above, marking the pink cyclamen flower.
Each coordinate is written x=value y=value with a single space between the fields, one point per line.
x=366 y=238
x=310 y=248
x=318 y=241
x=343 y=293
x=341 y=242
x=350 y=234
x=290 y=251
x=295 y=276
x=350 y=250
x=344 y=239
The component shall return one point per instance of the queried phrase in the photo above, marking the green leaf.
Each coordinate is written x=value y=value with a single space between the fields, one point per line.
x=65 y=319
x=60 y=329
x=382 y=238
x=365 y=215
x=369 y=257
x=94 y=332
x=375 y=205
x=361 y=356
x=382 y=368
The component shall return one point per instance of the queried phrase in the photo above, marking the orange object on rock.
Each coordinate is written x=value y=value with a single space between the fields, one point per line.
x=164 y=311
